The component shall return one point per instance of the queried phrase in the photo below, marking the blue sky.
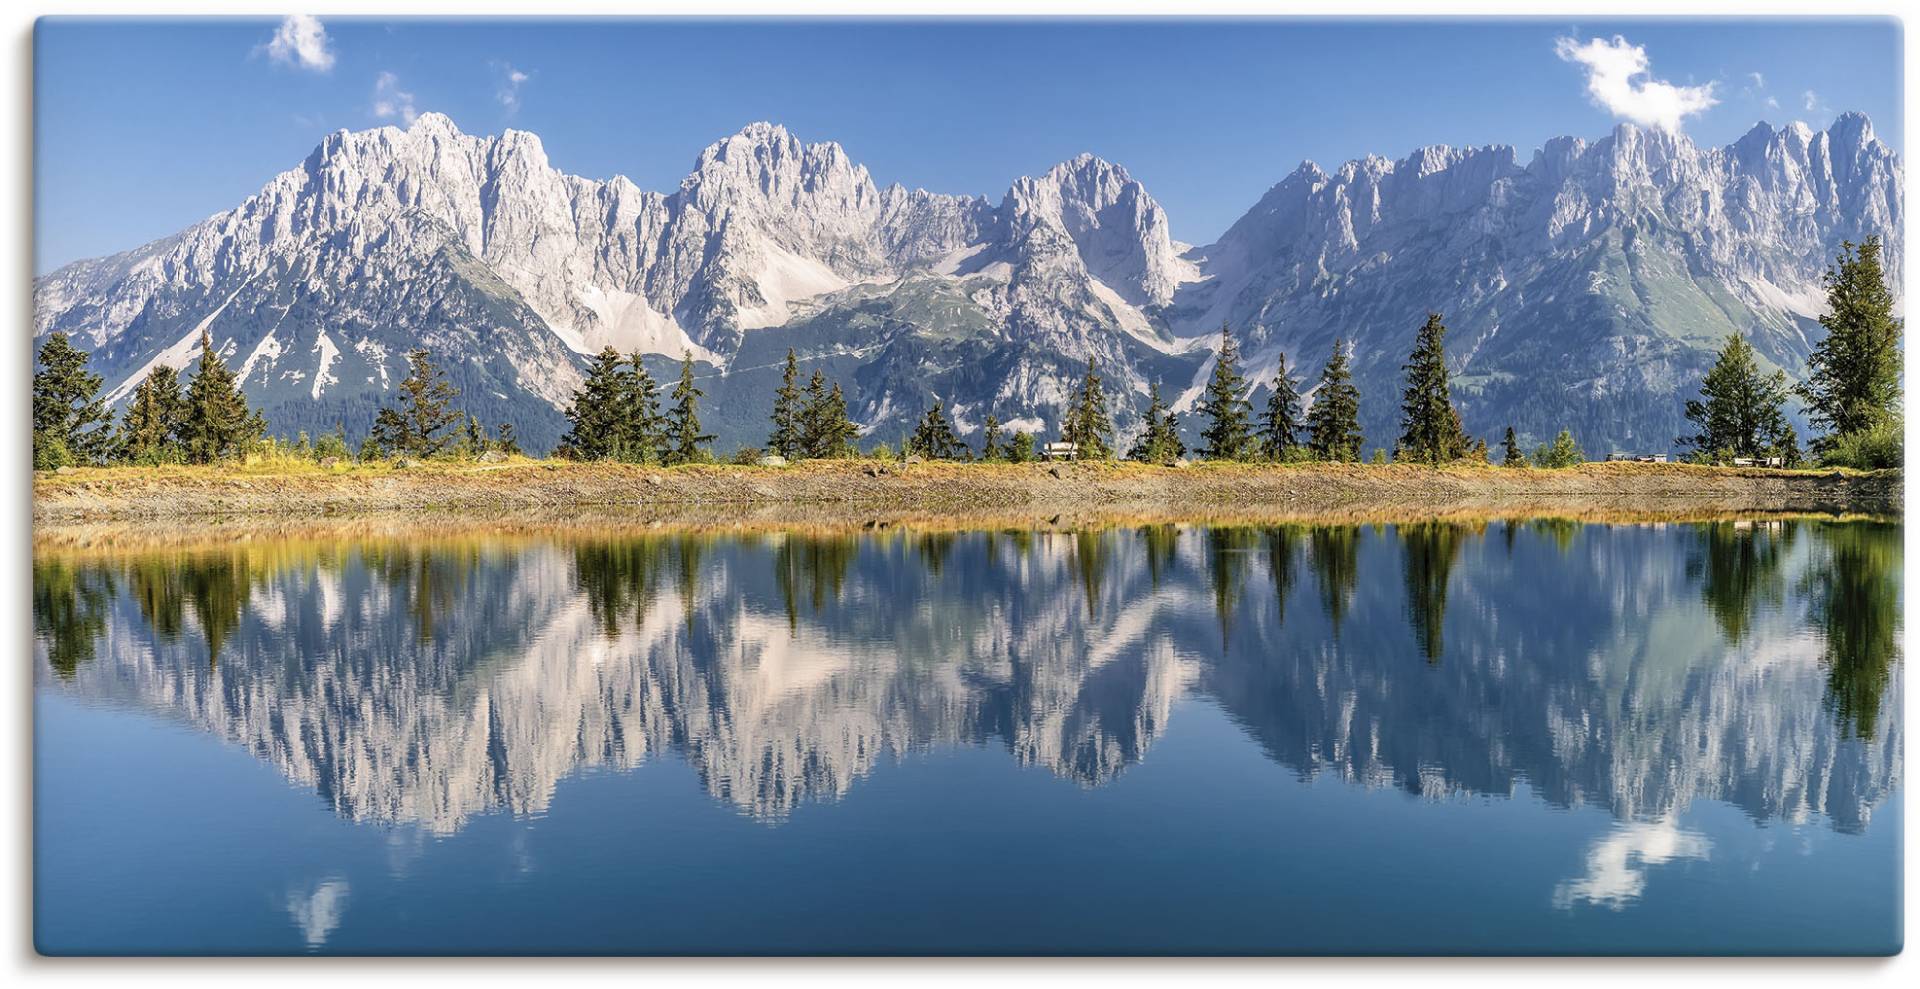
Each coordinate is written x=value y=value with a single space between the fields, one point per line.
x=144 y=127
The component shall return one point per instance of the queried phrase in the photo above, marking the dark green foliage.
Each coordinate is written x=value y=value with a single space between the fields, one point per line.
x=1020 y=448
x=1744 y=411
x=601 y=417
x=333 y=444
x=1333 y=424
x=1853 y=379
x=218 y=423
x=1089 y=425
x=67 y=411
x=684 y=437
x=934 y=438
x=646 y=427
x=1281 y=424
x=786 y=438
x=507 y=442
x=1160 y=442
x=421 y=425
x=1513 y=458
x=1880 y=447
x=1229 y=433
x=828 y=433
x=151 y=426
x=1430 y=431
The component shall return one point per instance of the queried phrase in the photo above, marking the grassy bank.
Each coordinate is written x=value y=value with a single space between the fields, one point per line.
x=293 y=489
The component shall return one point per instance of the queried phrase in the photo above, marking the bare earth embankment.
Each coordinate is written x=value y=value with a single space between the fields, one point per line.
x=104 y=503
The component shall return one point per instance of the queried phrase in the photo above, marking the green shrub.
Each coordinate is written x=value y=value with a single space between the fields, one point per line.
x=50 y=453
x=880 y=451
x=1872 y=449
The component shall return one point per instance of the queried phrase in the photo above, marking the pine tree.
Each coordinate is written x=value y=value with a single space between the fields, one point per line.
x=991 y=451
x=683 y=420
x=1430 y=430
x=646 y=429
x=1333 y=424
x=1088 y=424
x=810 y=415
x=1160 y=442
x=1563 y=452
x=420 y=423
x=829 y=433
x=1020 y=448
x=1229 y=434
x=218 y=423
x=786 y=439
x=508 y=443
x=150 y=428
x=1514 y=458
x=1744 y=411
x=1853 y=380
x=1282 y=421
x=934 y=438
x=66 y=405
x=600 y=419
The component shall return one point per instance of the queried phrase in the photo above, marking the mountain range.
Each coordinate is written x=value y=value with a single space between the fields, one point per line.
x=1586 y=287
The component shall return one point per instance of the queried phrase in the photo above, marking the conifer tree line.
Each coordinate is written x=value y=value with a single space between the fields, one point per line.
x=1851 y=396
x=206 y=418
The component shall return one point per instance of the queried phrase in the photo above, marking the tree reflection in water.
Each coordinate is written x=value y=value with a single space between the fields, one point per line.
x=429 y=682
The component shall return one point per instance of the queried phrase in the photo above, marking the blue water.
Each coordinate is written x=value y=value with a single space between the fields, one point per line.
x=1545 y=737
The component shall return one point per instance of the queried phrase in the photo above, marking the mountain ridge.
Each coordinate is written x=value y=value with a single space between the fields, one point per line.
x=1622 y=262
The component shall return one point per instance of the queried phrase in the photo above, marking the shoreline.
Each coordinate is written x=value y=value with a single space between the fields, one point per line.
x=525 y=493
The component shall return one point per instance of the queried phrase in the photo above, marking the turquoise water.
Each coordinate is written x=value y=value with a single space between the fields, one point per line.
x=1531 y=737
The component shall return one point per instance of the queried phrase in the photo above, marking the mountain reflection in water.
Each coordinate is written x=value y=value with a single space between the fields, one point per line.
x=1637 y=668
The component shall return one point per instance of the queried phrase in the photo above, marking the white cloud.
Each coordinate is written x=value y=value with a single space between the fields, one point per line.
x=390 y=101
x=301 y=42
x=1759 y=81
x=508 y=92
x=1619 y=79
x=1810 y=100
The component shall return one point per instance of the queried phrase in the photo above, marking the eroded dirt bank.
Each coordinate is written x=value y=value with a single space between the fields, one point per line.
x=853 y=492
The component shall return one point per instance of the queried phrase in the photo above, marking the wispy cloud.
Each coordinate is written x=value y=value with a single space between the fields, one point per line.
x=1812 y=102
x=508 y=91
x=1759 y=81
x=390 y=101
x=1620 y=81
x=301 y=42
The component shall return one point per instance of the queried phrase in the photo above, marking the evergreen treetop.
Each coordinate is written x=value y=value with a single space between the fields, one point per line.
x=683 y=420
x=1088 y=424
x=1853 y=381
x=1229 y=434
x=218 y=424
x=1430 y=426
x=1282 y=422
x=1333 y=423
x=66 y=402
x=1741 y=411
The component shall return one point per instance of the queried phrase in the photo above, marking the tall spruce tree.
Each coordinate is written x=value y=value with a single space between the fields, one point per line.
x=421 y=423
x=830 y=434
x=67 y=411
x=151 y=426
x=1741 y=411
x=218 y=424
x=1229 y=434
x=683 y=420
x=1089 y=426
x=787 y=439
x=1430 y=430
x=1853 y=380
x=600 y=418
x=1513 y=458
x=1159 y=442
x=1282 y=422
x=1333 y=424
x=934 y=438
x=646 y=430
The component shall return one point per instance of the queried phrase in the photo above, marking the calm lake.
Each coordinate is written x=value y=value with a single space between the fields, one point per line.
x=1542 y=736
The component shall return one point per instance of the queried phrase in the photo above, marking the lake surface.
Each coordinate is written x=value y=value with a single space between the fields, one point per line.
x=1521 y=737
